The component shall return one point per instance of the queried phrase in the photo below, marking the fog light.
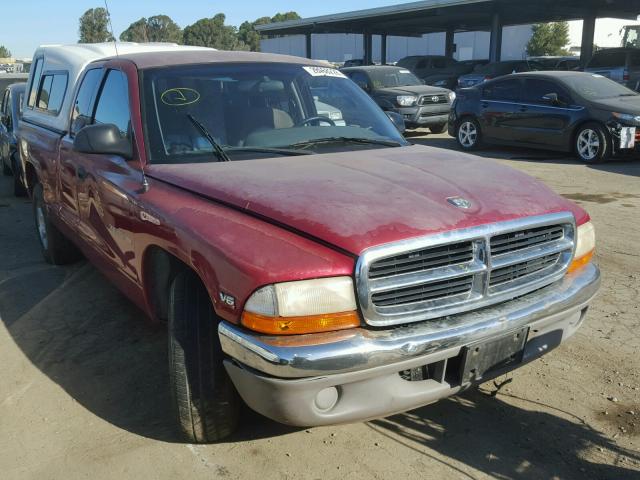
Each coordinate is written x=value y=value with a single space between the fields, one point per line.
x=326 y=399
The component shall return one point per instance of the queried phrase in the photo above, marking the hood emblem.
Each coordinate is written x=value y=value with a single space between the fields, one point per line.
x=459 y=202
x=435 y=99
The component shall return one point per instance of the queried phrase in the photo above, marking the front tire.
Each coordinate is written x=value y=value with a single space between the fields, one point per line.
x=468 y=134
x=440 y=128
x=593 y=144
x=56 y=248
x=205 y=400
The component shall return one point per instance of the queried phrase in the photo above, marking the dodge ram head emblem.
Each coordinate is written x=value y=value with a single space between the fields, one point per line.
x=459 y=202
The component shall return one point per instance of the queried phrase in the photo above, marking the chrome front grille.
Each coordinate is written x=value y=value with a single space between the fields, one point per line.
x=434 y=99
x=454 y=272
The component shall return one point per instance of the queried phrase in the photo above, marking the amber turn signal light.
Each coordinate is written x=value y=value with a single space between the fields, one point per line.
x=328 y=322
x=580 y=262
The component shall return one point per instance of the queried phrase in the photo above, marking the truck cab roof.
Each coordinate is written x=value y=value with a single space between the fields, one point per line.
x=69 y=61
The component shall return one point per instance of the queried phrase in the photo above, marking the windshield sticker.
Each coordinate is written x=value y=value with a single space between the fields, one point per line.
x=324 y=72
x=595 y=75
x=179 y=97
x=405 y=71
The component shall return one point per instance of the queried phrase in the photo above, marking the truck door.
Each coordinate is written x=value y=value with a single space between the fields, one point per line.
x=105 y=184
x=70 y=161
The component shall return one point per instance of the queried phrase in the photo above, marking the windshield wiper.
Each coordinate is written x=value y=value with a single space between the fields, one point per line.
x=365 y=141
x=280 y=151
x=222 y=156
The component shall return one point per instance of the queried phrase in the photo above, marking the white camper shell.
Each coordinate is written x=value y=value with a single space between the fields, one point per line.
x=55 y=71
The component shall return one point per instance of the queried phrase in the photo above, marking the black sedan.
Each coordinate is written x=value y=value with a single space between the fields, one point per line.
x=566 y=111
x=398 y=90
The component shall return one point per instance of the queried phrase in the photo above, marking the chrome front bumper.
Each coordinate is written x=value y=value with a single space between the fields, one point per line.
x=359 y=349
x=354 y=375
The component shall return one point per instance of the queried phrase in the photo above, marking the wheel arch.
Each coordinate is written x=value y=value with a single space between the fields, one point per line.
x=159 y=269
x=574 y=134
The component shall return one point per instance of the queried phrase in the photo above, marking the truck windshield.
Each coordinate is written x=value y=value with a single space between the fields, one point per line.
x=393 y=77
x=262 y=108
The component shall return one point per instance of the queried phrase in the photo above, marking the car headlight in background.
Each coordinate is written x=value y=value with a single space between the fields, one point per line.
x=585 y=246
x=406 y=100
x=452 y=96
x=626 y=117
x=306 y=306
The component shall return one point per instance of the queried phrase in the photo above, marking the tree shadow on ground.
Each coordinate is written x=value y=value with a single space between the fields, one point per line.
x=506 y=441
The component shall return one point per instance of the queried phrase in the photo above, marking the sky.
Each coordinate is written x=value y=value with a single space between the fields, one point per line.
x=25 y=24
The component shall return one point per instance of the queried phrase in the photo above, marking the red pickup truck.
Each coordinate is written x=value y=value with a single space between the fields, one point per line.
x=323 y=273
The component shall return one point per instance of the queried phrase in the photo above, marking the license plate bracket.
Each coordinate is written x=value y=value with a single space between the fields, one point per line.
x=627 y=137
x=487 y=358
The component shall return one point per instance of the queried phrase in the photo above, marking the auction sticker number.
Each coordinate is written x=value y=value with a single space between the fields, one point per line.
x=324 y=72
x=179 y=97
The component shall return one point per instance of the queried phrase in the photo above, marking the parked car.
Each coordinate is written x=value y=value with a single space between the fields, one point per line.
x=7 y=79
x=483 y=73
x=436 y=70
x=10 y=111
x=565 y=111
x=354 y=62
x=619 y=64
x=284 y=255
x=557 y=62
x=396 y=89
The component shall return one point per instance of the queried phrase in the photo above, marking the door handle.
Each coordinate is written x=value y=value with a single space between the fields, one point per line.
x=81 y=173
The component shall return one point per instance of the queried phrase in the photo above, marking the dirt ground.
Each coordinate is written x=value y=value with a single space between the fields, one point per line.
x=83 y=382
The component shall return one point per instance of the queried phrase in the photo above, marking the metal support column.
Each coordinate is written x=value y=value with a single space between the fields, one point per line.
x=383 y=49
x=449 y=45
x=495 y=45
x=368 y=48
x=588 y=32
x=308 y=45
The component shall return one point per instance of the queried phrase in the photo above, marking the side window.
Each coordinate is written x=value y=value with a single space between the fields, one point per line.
x=535 y=89
x=82 y=108
x=35 y=82
x=506 y=90
x=51 y=93
x=360 y=79
x=421 y=64
x=634 y=60
x=113 y=104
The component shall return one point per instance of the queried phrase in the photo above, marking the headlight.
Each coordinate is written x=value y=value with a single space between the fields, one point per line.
x=306 y=306
x=452 y=96
x=585 y=246
x=626 y=117
x=406 y=100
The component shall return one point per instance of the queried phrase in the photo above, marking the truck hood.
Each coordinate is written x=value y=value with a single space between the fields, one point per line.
x=359 y=199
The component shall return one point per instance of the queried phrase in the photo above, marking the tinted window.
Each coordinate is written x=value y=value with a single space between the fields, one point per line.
x=5 y=101
x=35 y=82
x=592 y=87
x=113 y=104
x=52 y=90
x=82 y=109
x=535 y=89
x=360 y=78
x=608 y=59
x=439 y=63
x=634 y=59
x=507 y=90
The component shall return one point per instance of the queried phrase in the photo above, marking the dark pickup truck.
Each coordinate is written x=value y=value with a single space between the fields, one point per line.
x=321 y=272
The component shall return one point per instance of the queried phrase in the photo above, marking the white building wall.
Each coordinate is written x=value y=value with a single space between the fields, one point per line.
x=341 y=47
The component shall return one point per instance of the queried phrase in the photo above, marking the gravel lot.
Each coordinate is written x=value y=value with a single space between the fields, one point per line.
x=83 y=386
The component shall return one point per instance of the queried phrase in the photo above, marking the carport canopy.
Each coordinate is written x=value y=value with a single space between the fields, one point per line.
x=451 y=16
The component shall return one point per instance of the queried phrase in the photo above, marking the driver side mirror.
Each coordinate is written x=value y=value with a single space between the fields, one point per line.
x=551 y=98
x=397 y=120
x=103 y=139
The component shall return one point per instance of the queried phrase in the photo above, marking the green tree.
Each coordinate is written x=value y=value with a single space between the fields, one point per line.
x=94 y=26
x=248 y=34
x=213 y=33
x=159 y=28
x=4 y=52
x=549 y=39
